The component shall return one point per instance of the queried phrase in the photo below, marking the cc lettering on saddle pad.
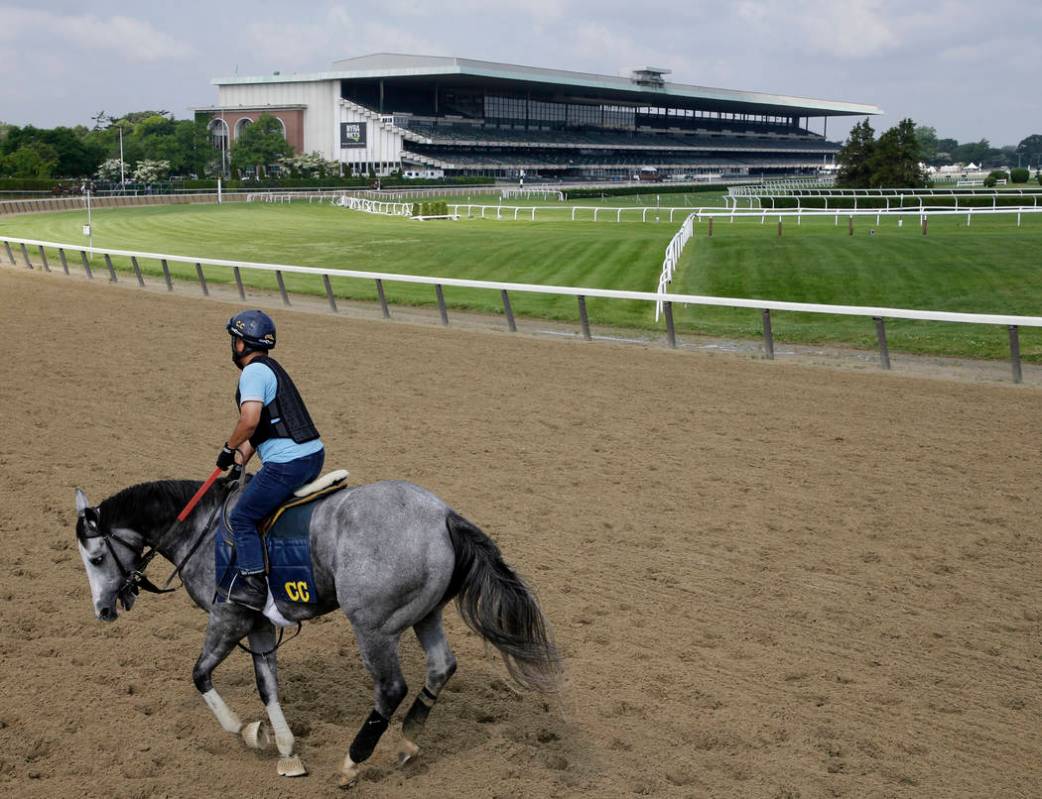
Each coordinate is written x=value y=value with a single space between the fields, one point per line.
x=297 y=591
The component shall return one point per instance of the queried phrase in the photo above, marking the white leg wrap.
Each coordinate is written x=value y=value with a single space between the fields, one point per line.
x=225 y=715
x=283 y=736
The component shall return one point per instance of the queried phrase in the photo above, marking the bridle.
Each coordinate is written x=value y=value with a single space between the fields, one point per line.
x=134 y=580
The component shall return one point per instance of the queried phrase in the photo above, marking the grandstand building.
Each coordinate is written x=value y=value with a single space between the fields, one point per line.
x=433 y=116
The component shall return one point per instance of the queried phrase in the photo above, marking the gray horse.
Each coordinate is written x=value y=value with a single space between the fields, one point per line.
x=390 y=555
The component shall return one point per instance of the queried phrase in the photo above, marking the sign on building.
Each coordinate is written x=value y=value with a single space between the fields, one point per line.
x=352 y=134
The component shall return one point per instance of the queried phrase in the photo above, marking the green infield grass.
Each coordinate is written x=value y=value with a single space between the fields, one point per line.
x=603 y=255
x=993 y=266
x=989 y=267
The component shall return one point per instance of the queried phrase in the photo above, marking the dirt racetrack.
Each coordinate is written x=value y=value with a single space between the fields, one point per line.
x=768 y=580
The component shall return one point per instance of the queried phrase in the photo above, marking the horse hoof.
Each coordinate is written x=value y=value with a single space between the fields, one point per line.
x=407 y=751
x=256 y=736
x=348 y=775
x=291 y=767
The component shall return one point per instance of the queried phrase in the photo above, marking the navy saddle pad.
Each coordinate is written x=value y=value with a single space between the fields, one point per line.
x=288 y=548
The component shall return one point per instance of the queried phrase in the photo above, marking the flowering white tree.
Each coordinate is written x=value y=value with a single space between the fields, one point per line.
x=109 y=170
x=309 y=165
x=150 y=171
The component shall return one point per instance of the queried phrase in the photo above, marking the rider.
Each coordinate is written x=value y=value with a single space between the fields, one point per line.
x=273 y=421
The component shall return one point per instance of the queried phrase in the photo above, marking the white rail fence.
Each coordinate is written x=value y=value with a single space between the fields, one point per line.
x=808 y=200
x=269 y=197
x=674 y=250
x=922 y=213
x=784 y=184
x=532 y=194
x=893 y=192
x=368 y=206
x=528 y=212
x=765 y=307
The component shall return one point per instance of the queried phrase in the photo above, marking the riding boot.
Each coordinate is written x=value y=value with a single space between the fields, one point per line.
x=249 y=590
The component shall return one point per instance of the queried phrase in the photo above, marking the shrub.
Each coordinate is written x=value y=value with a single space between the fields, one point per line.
x=1019 y=175
x=1038 y=177
x=415 y=209
x=29 y=184
x=990 y=182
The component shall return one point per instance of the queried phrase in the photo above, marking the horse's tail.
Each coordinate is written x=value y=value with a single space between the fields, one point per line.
x=497 y=604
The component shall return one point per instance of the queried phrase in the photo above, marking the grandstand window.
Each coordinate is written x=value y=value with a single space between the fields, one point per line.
x=218 y=134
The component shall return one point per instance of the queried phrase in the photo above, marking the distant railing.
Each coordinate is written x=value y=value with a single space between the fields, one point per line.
x=674 y=250
x=9 y=207
x=918 y=199
x=765 y=307
x=922 y=213
x=375 y=206
x=532 y=194
x=528 y=212
x=783 y=184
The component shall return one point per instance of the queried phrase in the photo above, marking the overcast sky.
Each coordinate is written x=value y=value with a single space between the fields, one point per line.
x=969 y=68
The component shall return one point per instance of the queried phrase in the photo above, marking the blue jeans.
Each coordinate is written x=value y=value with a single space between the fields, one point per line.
x=269 y=488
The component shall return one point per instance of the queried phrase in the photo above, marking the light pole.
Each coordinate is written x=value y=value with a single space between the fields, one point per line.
x=111 y=120
x=89 y=230
x=122 y=173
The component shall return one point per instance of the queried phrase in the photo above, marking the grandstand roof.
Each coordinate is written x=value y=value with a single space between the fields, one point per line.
x=607 y=87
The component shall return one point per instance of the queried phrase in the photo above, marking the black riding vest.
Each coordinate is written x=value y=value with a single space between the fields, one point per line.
x=286 y=416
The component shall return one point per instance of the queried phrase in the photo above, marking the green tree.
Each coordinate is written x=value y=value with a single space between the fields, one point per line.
x=980 y=152
x=928 y=142
x=77 y=156
x=198 y=154
x=896 y=160
x=945 y=148
x=260 y=145
x=33 y=160
x=1030 y=150
x=855 y=159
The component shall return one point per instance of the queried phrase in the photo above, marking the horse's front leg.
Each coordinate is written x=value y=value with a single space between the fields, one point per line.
x=227 y=625
x=265 y=666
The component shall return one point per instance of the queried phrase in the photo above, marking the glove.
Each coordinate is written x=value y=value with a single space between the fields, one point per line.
x=232 y=476
x=226 y=457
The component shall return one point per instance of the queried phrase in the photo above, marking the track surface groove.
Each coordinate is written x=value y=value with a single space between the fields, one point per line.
x=768 y=580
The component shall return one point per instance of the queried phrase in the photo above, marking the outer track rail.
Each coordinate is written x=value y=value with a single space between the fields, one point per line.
x=765 y=307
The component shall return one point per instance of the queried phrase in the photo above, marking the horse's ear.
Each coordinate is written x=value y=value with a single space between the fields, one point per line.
x=82 y=503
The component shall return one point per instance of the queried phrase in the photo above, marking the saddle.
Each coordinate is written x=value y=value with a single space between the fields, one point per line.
x=286 y=544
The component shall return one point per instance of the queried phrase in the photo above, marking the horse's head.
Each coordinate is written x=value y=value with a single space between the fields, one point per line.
x=109 y=556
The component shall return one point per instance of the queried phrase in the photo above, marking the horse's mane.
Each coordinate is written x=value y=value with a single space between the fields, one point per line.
x=145 y=505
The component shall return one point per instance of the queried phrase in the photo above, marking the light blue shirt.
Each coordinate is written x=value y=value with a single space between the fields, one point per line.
x=257 y=383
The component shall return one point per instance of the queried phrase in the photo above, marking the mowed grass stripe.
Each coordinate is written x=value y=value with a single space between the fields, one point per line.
x=603 y=255
x=989 y=267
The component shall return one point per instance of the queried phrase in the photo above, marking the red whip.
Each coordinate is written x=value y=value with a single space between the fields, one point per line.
x=199 y=494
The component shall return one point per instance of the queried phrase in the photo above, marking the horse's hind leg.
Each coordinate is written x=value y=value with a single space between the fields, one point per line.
x=265 y=667
x=380 y=655
x=227 y=625
x=441 y=665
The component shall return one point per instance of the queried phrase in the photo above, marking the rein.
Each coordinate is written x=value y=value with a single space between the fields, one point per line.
x=135 y=580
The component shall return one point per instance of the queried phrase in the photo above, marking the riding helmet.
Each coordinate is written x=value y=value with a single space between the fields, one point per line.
x=255 y=328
